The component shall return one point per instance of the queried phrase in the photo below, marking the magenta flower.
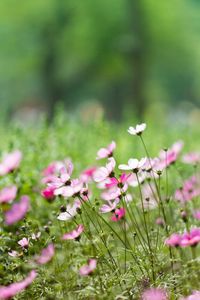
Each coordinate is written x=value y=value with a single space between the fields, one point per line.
x=24 y=242
x=106 y=152
x=7 y=292
x=137 y=130
x=118 y=214
x=112 y=181
x=190 y=239
x=46 y=255
x=174 y=240
x=191 y=158
x=10 y=162
x=74 y=234
x=89 y=268
x=17 y=211
x=154 y=294
x=48 y=193
x=103 y=173
x=8 y=194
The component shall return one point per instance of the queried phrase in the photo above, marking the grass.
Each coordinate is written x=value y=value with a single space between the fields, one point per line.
x=131 y=254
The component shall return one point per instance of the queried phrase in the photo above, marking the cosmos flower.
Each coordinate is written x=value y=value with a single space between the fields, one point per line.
x=17 y=211
x=195 y=296
x=73 y=188
x=87 y=175
x=71 y=211
x=8 y=194
x=154 y=294
x=110 y=206
x=89 y=268
x=106 y=152
x=10 y=162
x=13 y=253
x=24 y=242
x=192 y=158
x=186 y=239
x=118 y=214
x=46 y=255
x=189 y=190
x=173 y=240
x=168 y=157
x=7 y=292
x=103 y=173
x=74 y=234
x=48 y=193
x=137 y=130
x=133 y=164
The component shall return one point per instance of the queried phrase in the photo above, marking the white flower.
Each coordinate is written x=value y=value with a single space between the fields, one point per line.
x=137 y=130
x=133 y=164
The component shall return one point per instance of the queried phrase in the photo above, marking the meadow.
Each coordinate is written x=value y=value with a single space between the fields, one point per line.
x=79 y=222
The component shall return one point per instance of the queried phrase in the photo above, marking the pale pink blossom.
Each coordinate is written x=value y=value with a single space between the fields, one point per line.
x=118 y=214
x=36 y=236
x=133 y=164
x=169 y=156
x=106 y=152
x=71 y=211
x=74 y=234
x=24 y=243
x=46 y=255
x=13 y=253
x=8 y=194
x=110 y=206
x=10 y=162
x=103 y=173
x=87 y=175
x=113 y=193
x=17 y=211
x=137 y=130
x=196 y=214
x=7 y=292
x=89 y=268
x=191 y=238
x=191 y=158
x=189 y=190
x=195 y=296
x=67 y=191
x=154 y=294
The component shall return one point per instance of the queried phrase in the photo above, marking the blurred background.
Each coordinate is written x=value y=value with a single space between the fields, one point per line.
x=116 y=58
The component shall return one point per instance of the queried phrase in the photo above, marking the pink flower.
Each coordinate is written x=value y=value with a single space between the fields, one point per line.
x=46 y=255
x=24 y=242
x=87 y=175
x=105 y=208
x=190 y=190
x=103 y=173
x=7 y=292
x=154 y=294
x=17 y=211
x=112 y=181
x=133 y=164
x=73 y=188
x=194 y=296
x=168 y=157
x=137 y=130
x=74 y=234
x=48 y=193
x=71 y=211
x=191 y=158
x=8 y=194
x=89 y=268
x=13 y=253
x=190 y=239
x=106 y=152
x=10 y=162
x=173 y=240
x=118 y=214
x=196 y=214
